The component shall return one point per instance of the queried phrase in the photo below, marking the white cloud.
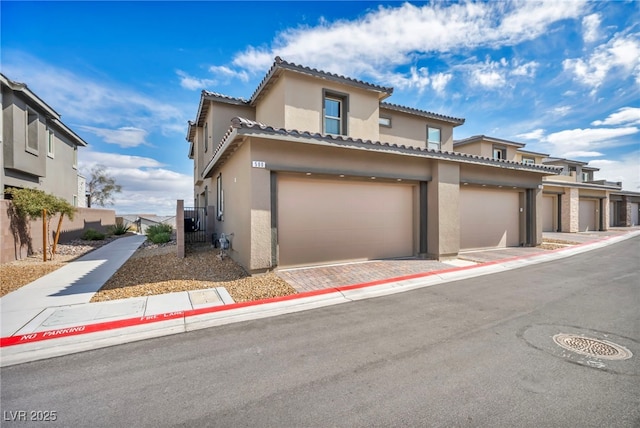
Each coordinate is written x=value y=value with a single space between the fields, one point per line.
x=624 y=169
x=127 y=136
x=228 y=73
x=527 y=69
x=619 y=55
x=536 y=134
x=439 y=82
x=562 y=110
x=591 y=28
x=383 y=39
x=581 y=154
x=194 y=83
x=589 y=138
x=624 y=116
x=147 y=186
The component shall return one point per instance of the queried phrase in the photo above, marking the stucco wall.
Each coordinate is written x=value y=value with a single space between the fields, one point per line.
x=16 y=245
x=411 y=130
x=296 y=102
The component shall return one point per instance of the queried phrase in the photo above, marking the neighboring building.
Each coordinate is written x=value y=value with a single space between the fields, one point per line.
x=317 y=168
x=572 y=200
x=38 y=150
x=141 y=222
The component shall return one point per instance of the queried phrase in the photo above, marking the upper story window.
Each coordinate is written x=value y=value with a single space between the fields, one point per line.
x=206 y=136
x=385 y=121
x=75 y=157
x=528 y=161
x=499 y=153
x=32 y=131
x=334 y=111
x=434 y=140
x=586 y=176
x=50 y=142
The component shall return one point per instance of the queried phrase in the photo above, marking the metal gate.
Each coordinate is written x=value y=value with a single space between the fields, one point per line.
x=195 y=225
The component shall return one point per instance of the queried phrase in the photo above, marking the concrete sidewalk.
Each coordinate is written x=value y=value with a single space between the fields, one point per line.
x=52 y=316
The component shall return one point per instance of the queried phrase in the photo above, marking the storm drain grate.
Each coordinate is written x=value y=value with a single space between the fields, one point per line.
x=592 y=347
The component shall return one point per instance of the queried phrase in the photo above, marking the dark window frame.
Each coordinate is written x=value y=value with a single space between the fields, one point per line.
x=343 y=98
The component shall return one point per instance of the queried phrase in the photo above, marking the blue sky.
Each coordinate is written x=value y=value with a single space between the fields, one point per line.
x=561 y=76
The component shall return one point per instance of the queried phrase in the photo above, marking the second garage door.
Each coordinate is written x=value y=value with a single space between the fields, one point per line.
x=587 y=215
x=548 y=214
x=489 y=218
x=322 y=221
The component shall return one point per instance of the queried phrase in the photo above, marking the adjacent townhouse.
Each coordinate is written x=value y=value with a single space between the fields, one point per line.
x=318 y=168
x=572 y=200
x=38 y=149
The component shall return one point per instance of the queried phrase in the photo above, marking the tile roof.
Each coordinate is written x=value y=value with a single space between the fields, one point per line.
x=456 y=121
x=239 y=123
x=280 y=64
x=477 y=138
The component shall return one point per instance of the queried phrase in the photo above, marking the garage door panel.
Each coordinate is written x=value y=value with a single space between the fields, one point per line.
x=548 y=214
x=324 y=220
x=489 y=218
x=587 y=215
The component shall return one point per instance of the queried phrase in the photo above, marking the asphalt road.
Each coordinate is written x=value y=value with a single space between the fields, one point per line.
x=472 y=353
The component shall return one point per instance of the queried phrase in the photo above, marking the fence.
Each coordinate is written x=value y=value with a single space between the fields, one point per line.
x=195 y=225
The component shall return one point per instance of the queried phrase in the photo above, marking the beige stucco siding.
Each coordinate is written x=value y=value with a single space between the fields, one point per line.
x=321 y=221
x=291 y=156
x=296 y=102
x=411 y=130
x=270 y=110
x=236 y=186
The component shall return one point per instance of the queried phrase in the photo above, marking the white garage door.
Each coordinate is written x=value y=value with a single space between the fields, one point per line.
x=548 y=214
x=321 y=221
x=489 y=218
x=587 y=217
x=634 y=214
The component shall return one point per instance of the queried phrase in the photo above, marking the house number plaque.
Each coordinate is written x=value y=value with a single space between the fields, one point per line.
x=258 y=164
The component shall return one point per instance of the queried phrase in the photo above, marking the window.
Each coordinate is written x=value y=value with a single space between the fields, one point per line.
x=75 y=157
x=75 y=200
x=528 y=161
x=206 y=136
x=50 y=142
x=334 y=111
x=585 y=177
x=499 y=153
x=220 y=198
x=384 y=121
x=433 y=138
x=32 y=131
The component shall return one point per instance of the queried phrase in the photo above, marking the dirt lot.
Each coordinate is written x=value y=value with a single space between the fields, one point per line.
x=154 y=270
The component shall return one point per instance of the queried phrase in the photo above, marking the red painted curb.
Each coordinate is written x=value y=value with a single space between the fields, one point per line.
x=130 y=322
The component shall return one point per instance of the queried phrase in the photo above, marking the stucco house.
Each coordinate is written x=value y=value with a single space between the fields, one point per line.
x=38 y=149
x=572 y=200
x=317 y=168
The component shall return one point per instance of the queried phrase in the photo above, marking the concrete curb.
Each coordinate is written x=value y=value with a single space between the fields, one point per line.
x=46 y=344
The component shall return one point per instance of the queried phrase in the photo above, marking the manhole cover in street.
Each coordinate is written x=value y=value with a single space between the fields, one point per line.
x=592 y=347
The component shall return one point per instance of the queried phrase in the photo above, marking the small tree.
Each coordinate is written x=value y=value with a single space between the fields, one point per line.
x=102 y=186
x=33 y=203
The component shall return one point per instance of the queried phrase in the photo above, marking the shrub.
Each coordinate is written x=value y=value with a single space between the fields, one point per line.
x=119 y=228
x=92 y=235
x=159 y=233
x=160 y=238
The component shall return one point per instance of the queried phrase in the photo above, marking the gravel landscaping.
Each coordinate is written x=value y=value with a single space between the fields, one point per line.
x=153 y=270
